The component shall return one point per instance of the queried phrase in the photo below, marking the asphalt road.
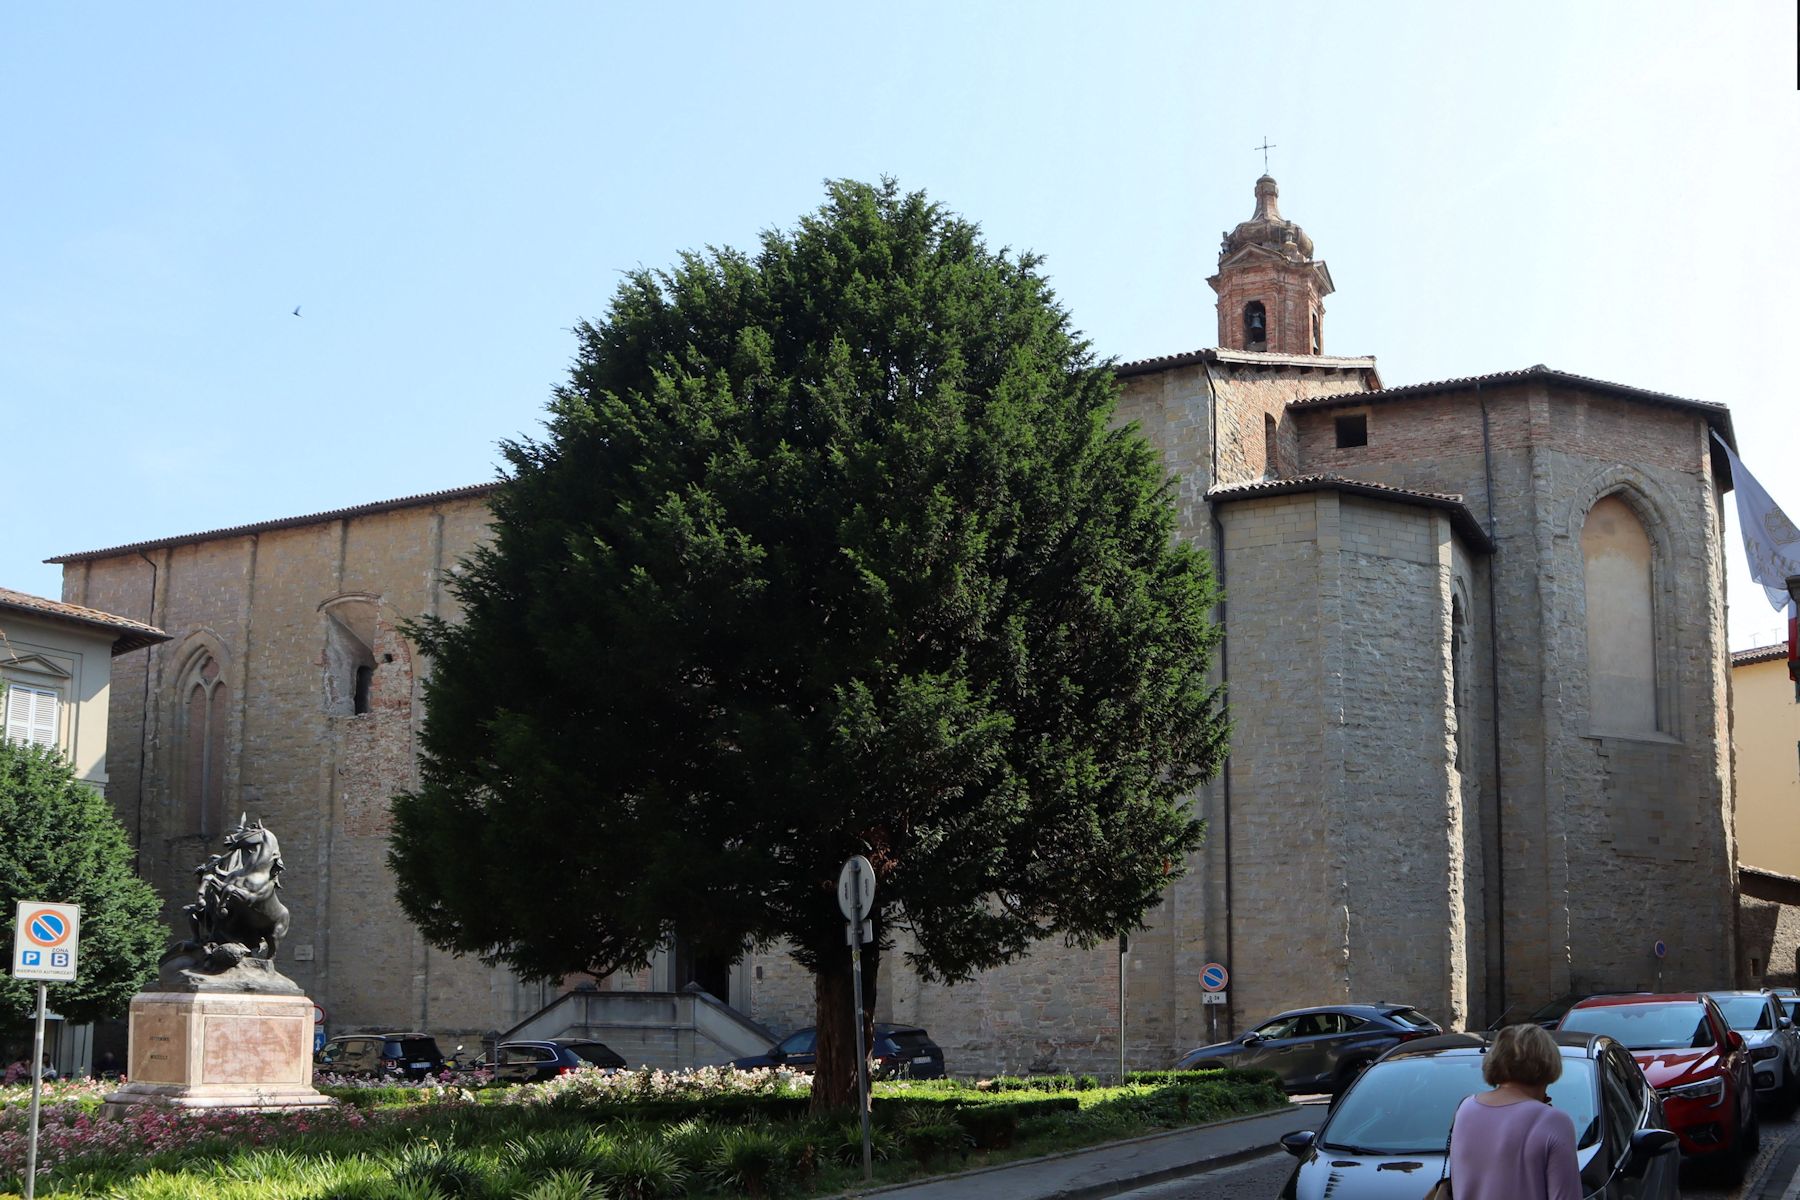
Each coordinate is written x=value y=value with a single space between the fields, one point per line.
x=1261 y=1178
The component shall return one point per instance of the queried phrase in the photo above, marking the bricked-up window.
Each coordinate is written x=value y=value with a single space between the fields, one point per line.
x=1272 y=468
x=349 y=656
x=1621 y=629
x=1256 y=323
x=1318 y=333
x=1352 y=431
x=202 y=742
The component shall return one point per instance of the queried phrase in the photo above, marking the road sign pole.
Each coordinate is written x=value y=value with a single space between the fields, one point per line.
x=862 y=1058
x=37 y=1092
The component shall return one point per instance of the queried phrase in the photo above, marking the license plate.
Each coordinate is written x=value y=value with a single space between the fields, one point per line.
x=923 y=1058
x=421 y=1066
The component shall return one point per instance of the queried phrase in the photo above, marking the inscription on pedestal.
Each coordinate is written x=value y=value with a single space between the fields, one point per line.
x=254 y=1049
x=159 y=1045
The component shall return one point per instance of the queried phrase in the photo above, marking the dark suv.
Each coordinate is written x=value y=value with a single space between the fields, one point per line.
x=529 y=1062
x=371 y=1055
x=900 y=1052
x=1318 y=1049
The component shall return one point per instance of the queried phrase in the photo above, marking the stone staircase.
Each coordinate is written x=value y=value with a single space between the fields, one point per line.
x=665 y=1030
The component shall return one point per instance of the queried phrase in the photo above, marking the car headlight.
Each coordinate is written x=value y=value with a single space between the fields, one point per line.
x=1709 y=1089
x=1764 y=1053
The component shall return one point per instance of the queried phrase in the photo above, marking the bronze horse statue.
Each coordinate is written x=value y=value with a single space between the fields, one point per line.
x=237 y=905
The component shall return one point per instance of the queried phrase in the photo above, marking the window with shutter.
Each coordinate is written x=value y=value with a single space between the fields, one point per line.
x=30 y=715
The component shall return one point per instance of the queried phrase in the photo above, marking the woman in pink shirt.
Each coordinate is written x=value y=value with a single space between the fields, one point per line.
x=1508 y=1143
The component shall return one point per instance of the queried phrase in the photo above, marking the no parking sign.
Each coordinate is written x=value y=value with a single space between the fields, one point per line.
x=44 y=940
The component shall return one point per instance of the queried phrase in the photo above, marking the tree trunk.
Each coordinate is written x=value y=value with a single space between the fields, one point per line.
x=834 y=1069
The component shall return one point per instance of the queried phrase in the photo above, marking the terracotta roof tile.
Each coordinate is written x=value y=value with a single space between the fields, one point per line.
x=1215 y=354
x=130 y=634
x=1717 y=415
x=1759 y=654
x=1449 y=502
x=336 y=514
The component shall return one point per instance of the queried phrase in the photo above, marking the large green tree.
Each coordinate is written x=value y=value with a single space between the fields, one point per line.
x=63 y=844
x=829 y=550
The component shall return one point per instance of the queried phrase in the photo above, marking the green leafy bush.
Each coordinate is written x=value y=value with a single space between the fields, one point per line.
x=640 y=1169
x=749 y=1161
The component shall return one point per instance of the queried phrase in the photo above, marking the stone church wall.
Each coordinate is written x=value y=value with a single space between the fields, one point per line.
x=262 y=604
x=1628 y=837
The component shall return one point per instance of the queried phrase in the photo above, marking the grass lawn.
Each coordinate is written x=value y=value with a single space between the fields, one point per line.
x=590 y=1136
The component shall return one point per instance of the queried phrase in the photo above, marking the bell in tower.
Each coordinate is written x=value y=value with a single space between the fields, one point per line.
x=1271 y=289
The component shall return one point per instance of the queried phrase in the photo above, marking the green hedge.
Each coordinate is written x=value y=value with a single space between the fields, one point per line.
x=1207 y=1074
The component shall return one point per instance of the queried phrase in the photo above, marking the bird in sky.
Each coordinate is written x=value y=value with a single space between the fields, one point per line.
x=296 y=310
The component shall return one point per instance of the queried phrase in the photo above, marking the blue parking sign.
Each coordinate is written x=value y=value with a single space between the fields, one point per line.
x=32 y=958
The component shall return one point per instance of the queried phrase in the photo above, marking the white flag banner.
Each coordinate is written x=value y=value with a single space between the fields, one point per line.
x=1771 y=541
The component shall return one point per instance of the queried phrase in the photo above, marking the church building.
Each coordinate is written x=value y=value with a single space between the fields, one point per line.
x=1475 y=657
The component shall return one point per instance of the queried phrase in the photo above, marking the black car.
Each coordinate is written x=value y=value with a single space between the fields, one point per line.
x=1318 y=1049
x=371 y=1055
x=1385 y=1138
x=900 y=1052
x=530 y=1061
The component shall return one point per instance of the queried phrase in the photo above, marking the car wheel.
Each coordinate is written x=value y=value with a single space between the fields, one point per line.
x=1752 y=1136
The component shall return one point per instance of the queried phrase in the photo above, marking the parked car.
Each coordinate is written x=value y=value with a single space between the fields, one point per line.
x=1385 y=1138
x=1774 y=1044
x=531 y=1061
x=1696 y=1062
x=371 y=1055
x=1318 y=1049
x=1546 y=1016
x=900 y=1051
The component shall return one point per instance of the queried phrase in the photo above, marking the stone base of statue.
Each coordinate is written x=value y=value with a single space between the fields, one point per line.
x=218 y=1048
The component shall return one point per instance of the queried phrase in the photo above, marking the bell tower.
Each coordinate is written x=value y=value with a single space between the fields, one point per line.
x=1271 y=291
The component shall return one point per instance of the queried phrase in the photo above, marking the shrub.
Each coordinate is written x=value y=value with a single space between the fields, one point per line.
x=693 y=1142
x=640 y=1170
x=447 y=1172
x=564 y=1185
x=572 y=1150
x=750 y=1161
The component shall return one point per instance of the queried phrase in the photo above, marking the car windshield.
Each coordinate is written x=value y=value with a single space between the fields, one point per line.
x=1745 y=1012
x=1404 y=1105
x=1680 y=1025
x=1792 y=1004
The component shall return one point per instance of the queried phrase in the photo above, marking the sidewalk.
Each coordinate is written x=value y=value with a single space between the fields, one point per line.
x=1115 y=1167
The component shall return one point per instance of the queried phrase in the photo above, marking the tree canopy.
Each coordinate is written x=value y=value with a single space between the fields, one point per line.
x=829 y=549
x=64 y=845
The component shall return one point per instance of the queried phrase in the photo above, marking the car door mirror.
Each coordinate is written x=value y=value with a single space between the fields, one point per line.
x=1734 y=1039
x=778 y=1054
x=1298 y=1142
x=1251 y=1039
x=1646 y=1144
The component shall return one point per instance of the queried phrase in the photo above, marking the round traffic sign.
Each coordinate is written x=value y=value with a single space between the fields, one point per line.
x=46 y=927
x=856 y=886
x=1214 y=977
x=1661 y=949
x=318 y=1013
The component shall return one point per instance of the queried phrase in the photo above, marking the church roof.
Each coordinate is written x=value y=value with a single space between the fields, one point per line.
x=127 y=633
x=1717 y=415
x=318 y=518
x=1461 y=519
x=1248 y=358
x=1760 y=654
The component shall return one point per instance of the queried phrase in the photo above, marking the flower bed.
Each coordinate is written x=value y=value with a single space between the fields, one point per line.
x=589 y=1135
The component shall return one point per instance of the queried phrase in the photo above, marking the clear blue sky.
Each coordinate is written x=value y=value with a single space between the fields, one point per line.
x=1609 y=188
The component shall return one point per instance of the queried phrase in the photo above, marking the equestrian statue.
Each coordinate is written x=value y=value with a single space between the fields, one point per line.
x=237 y=921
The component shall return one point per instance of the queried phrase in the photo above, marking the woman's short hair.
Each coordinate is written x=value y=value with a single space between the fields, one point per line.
x=1522 y=1054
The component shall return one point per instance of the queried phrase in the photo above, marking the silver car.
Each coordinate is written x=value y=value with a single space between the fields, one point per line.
x=1385 y=1139
x=1771 y=1038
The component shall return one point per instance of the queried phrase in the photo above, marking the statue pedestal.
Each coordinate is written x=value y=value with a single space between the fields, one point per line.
x=204 y=1050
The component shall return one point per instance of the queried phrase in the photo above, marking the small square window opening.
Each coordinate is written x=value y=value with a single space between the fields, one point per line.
x=1353 y=431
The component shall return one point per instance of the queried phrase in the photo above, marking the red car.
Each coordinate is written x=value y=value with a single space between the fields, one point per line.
x=1694 y=1060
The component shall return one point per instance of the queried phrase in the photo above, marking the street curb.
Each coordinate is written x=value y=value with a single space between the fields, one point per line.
x=1777 y=1174
x=1111 y=1187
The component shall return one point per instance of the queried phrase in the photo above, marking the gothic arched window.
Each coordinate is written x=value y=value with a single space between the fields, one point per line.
x=1621 y=619
x=202 y=746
